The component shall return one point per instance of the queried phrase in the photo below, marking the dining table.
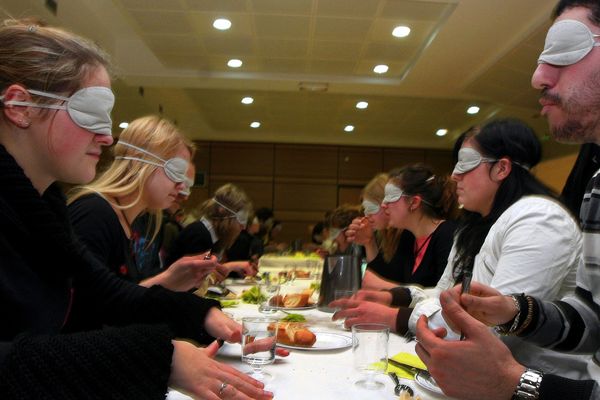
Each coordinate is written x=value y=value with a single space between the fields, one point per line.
x=323 y=372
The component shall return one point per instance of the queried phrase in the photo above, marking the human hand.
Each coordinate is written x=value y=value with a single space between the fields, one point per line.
x=244 y=268
x=359 y=231
x=194 y=371
x=485 y=304
x=360 y=312
x=458 y=366
x=322 y=252
x=378 y=296
x=186 y=273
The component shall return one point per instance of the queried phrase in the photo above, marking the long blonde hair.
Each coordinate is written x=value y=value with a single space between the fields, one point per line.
x=387 y=239
x=126 y=177
x=221 y=219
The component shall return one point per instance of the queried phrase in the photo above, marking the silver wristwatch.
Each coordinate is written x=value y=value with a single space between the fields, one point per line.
x=529 y=385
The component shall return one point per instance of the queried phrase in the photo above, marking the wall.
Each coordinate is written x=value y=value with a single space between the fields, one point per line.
x=301 y=182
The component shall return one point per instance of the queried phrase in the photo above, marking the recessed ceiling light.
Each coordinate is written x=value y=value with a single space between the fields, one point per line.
x=381 y=69
x=473 y=110
x=234 y=63
x=401 y=31
x=362 y=105
x=349 y=128
x=123 y=125
x=247 y=100
x=441 y=132
x=255 y=124
x=222 y=24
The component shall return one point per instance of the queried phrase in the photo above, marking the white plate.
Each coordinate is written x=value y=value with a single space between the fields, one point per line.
x=312 y=306
x=426 y=381
x=325 y=341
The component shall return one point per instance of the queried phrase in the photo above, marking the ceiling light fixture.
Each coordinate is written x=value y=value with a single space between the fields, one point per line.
x=247 y=100
x=381 y=69
x=123 y=125
x=362 y=105
x=255 y=124
x=234 y=63
x=222 y=24
x=441 y=132
x=472 y=110
x=401 y=31
x=349 y=128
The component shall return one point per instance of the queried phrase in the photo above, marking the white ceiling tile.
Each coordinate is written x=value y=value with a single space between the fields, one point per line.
x=153 y=22
x=220 y=6
x=295 y=7
x=348 y=8
x=341 y=28
x=283 y=48
x=282 y=27
x=336 y=50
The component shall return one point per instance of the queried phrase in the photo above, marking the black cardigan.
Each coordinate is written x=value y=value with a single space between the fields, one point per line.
x=51 y=285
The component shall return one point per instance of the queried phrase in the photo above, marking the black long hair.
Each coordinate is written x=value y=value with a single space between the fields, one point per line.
x=516 y=141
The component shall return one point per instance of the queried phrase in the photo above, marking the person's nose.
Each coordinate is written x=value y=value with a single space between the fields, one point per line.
x=384 y=206
x=104 y=140
x=456 y=177
x=545 y=76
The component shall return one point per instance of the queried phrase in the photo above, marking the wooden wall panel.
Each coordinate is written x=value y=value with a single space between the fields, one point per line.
x=241 y=159
x=294 y=230
x=306 y=161
x=349 y=194
x=261 y=193
x=439 y=161
x=304 y=197
x=359 y=165
x=394 y=158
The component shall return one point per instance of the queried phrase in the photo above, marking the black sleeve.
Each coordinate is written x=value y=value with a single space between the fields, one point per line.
x=443 y=245
x=103 y=298
x=558 y=388
x=193 y=239
x=115 y=363
x=97 y=226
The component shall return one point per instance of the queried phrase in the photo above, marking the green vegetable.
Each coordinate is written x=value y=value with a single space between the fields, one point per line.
x=315 y=285
x=228 y=303
x=253 y=296
x=293 y=318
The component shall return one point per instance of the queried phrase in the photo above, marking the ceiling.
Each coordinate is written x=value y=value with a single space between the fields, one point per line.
x=170 y=59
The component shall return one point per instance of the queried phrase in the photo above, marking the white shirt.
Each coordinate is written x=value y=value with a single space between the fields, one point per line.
x=534 y=247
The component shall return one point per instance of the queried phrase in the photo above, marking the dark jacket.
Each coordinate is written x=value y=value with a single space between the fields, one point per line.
x=53 y=292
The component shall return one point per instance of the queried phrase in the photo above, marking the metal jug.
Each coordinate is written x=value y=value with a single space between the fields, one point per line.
x=341 y=272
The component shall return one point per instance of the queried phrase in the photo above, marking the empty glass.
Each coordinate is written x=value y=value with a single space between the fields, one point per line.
x=370 y=351
x=269 y=290
x=341 y=294
x=258 y=344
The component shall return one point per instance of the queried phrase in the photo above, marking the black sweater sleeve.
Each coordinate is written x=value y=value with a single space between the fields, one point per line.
x=115 y=363
x=554 y=387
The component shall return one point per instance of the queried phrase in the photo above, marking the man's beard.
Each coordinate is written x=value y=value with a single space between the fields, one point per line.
x=582 y=111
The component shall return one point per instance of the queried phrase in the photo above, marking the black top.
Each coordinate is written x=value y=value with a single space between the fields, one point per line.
x=193 y=239
x=50 y=285
x=432 y=265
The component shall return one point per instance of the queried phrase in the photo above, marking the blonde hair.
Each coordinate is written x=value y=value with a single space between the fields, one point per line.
x=387 y=239
x=125 y=177
x=221 y=219
x=46 y=58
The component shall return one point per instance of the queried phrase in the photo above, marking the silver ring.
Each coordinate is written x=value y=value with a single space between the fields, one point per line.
x=222 y=388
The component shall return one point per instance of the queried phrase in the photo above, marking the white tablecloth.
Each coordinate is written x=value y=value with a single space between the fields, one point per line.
x=323 y=375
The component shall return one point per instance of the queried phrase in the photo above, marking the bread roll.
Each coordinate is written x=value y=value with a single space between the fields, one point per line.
x=295 y=334
x=295 y=300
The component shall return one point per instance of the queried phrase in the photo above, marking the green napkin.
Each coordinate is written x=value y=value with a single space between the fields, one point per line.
x=408 y=359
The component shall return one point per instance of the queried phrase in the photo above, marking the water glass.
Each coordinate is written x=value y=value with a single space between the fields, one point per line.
x=258 y=344
x=342 y=294
x=269 y=290
x=370 y=351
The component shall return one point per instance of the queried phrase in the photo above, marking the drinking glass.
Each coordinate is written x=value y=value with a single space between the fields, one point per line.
x=342 y=294
x=370 y=351
x=258 y=344
x=269 y=290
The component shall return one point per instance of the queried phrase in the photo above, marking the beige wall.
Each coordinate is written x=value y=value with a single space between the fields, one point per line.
x=554 y=172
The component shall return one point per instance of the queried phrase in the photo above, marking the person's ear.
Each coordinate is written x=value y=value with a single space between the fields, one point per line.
x=502 y=167
x=17 y=115
x=415 y=202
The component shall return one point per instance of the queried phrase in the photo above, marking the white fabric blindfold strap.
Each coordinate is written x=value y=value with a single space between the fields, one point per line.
x=241 y=216
x=370 y=207
x=468 y=160
x=567 y=42
x=335 y=232
x=175 y=168
x=89 y=107
x=188 y=184
x=392 y=193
